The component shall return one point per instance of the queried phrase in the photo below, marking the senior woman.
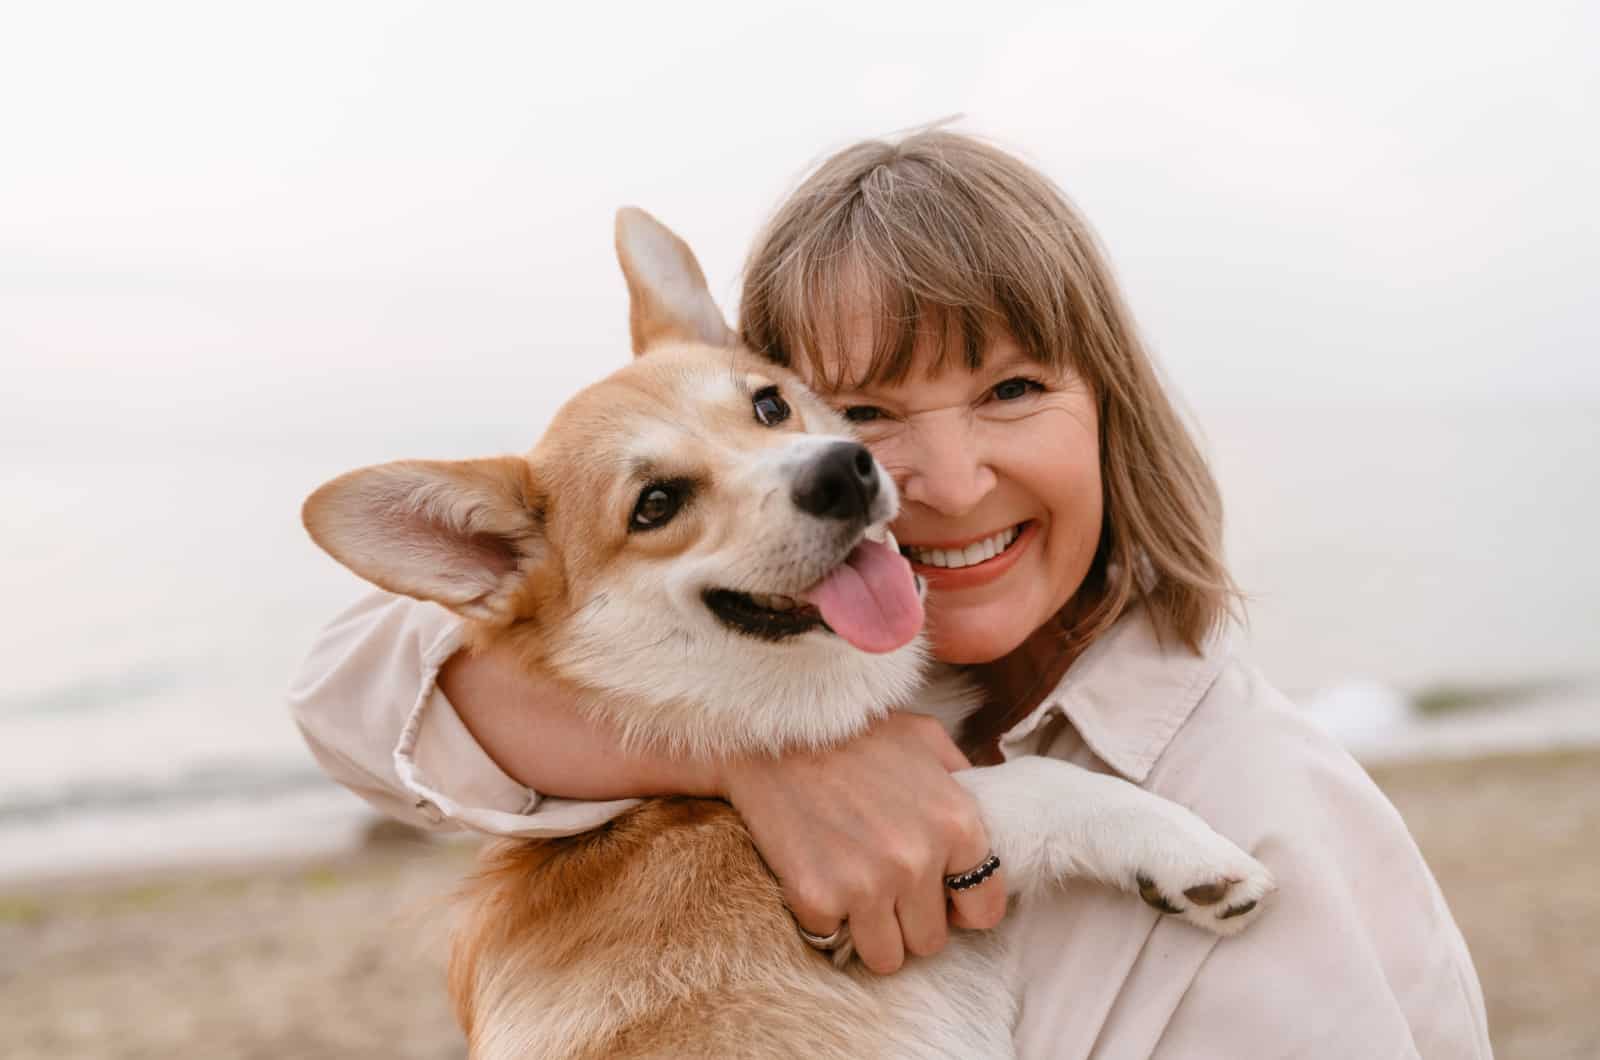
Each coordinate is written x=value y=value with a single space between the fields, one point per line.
x=945 y=297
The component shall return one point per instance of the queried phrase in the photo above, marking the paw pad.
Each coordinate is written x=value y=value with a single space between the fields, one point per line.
x=1238 y=910
x=1153 y=897
x=1209 y=893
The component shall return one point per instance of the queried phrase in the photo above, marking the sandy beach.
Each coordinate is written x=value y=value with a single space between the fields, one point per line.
x=342 y=957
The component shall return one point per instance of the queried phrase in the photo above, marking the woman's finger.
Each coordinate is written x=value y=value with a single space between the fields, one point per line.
x=815 y=902
x=977 y=907
x=924 y=917
x=876 y=934
x=822 y=926
x=982 y=907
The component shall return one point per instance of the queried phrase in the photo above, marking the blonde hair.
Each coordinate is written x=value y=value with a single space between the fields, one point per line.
x=941 y=241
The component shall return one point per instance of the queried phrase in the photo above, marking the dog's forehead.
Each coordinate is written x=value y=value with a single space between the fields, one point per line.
x=699 y=375
x=687 y=379
x=660 y=403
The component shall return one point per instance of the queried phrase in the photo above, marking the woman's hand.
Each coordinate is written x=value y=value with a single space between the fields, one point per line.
x=865 y=831
x=868 y=831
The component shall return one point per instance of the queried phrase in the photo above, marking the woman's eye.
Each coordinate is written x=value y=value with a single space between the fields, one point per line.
x=1012 y=389
x=862 y=413
x=656 y=506
x=771 y=409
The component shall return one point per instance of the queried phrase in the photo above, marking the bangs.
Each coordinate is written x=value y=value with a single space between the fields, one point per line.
x=862 y=327
x=912 y=269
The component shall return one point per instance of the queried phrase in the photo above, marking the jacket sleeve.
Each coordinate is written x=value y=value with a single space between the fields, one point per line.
x=1358 y=954
x=367 y=702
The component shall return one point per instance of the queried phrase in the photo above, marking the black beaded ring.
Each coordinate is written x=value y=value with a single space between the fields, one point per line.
x=961 y=881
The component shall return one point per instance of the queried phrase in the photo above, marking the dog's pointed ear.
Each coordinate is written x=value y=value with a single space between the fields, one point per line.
x=667 y=294
x=466 y=534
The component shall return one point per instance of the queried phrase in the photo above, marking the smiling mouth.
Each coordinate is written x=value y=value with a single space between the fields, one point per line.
x=766 y=616
x=973 y=555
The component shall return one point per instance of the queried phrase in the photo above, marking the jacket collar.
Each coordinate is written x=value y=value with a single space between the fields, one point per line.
x=1128 y=694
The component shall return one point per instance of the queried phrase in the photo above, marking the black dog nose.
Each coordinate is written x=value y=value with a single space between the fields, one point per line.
x=842 y=483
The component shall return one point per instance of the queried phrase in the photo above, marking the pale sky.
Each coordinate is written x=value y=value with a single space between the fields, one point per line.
x=219 y=217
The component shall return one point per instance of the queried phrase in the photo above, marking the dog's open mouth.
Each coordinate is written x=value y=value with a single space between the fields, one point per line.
x=768 y=617
x=871 y=599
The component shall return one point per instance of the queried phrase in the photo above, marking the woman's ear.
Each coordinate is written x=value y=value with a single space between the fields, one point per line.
x=667 y=295
x=467 y=534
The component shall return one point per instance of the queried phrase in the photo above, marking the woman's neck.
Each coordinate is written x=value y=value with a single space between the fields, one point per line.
x=1015 y=684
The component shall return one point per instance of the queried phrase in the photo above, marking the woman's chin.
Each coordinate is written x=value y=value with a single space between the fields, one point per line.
x=961 y=641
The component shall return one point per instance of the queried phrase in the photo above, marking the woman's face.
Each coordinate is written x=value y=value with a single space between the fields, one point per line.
x=999 y=477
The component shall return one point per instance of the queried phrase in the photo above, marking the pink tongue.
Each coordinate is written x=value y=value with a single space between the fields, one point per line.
x=871 y=600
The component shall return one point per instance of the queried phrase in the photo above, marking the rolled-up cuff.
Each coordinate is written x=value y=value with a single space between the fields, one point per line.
x=455 y=782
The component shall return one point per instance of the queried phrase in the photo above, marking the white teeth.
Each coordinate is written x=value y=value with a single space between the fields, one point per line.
x=978 y=552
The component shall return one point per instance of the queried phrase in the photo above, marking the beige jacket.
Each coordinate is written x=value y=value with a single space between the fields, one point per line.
x=1357 y=959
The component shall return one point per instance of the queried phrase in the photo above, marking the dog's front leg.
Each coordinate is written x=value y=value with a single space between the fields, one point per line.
x=1050 y=820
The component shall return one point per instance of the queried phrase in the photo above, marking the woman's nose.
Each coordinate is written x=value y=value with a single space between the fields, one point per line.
x=944 y=466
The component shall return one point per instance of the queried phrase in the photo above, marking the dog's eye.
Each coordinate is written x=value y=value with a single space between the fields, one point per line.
x=771 y=409
x=657 y=504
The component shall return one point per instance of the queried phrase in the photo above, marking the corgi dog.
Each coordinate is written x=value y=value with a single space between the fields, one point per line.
x=699 y=548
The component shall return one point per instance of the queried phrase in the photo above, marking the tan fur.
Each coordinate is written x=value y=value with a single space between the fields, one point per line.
x=664 y=929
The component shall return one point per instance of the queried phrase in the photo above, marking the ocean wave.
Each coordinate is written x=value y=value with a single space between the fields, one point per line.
x=209 y=783
x=92 y=694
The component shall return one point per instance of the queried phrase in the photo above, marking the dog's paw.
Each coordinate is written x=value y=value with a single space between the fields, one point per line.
x=1204 y=879
x=1221 y=905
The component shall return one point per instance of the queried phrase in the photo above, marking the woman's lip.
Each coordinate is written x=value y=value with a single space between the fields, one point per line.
x=978 y=573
